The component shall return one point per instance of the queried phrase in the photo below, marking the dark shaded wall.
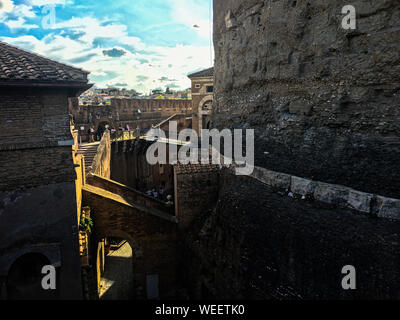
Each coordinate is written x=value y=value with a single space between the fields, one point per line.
x=129 y=166
x=324 y=101
x=38 y=202
x=196 y=192
x=274 y=247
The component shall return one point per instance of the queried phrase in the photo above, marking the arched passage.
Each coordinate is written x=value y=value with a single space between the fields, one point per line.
x=116 y=281
x=115 y=266
x=101 y=127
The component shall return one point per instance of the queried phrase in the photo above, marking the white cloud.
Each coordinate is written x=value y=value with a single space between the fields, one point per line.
x=19 y=23
x=171 y=62
x=188 y=13
x=15 y=16
x=6 y=6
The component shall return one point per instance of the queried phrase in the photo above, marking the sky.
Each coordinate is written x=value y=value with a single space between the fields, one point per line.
x=132 y=44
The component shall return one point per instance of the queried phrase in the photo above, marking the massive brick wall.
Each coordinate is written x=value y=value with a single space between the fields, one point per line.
x=324 y=101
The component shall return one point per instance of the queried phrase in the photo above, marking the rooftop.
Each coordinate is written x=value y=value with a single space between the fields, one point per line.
x=18 y=66
x=203 y=73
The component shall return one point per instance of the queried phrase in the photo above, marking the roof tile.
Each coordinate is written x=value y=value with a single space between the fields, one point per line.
x=17 y=65
x=204 y=73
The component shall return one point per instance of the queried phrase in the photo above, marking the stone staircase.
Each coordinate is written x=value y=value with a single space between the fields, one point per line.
x=88 y=151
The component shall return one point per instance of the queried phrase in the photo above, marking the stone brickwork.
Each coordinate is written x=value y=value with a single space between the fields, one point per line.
x=196 y=191
x=28 y=168
x=324 y=101
x=33 y=117
x=151 y=235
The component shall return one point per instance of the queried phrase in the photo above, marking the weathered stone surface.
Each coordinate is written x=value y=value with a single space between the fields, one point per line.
x=303 y=187
x=277 y=180
x=330 y=193
x=389 y=208
x=359 y=201
x=324 y=101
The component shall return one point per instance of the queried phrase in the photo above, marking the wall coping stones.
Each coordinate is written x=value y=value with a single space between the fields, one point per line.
x=333 y=194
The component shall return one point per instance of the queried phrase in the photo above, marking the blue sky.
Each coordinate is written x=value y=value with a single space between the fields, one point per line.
x=140 y=44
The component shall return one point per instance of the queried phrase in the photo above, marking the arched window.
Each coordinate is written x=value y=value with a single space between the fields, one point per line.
x=207 y=106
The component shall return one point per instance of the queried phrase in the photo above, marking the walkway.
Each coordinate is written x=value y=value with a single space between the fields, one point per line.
x=117 y=281
x=89 y=151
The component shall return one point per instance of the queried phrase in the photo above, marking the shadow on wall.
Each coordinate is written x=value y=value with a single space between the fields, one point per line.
x=24 y=280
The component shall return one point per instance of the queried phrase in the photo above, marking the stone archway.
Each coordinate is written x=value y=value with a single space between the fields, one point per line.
x=118 y=278
x=103 y=121
x=150 y=233
x=205 y=108
x=129 y=279
x=24 y=280
x=101 y=126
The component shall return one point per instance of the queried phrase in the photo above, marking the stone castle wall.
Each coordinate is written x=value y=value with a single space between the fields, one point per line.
x=324 y=101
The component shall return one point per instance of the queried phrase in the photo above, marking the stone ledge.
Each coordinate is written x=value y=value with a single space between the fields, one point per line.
x=333 y=194
x=388 y=208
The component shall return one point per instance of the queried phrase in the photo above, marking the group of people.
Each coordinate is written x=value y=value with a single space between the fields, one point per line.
x=161 y=194
x=96 y=136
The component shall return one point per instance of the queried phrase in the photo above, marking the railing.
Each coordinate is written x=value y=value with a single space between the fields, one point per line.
x=124 y=135
x=129 y=194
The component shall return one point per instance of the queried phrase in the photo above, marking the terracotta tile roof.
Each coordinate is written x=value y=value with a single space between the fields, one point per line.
x=204 y=73
x=18 y=65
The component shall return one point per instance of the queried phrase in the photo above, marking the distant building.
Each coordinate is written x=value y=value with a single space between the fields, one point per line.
x=202 y=98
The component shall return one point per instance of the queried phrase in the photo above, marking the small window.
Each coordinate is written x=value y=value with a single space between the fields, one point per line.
x=161 y=169
x=197 y=86
x=210 y=88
